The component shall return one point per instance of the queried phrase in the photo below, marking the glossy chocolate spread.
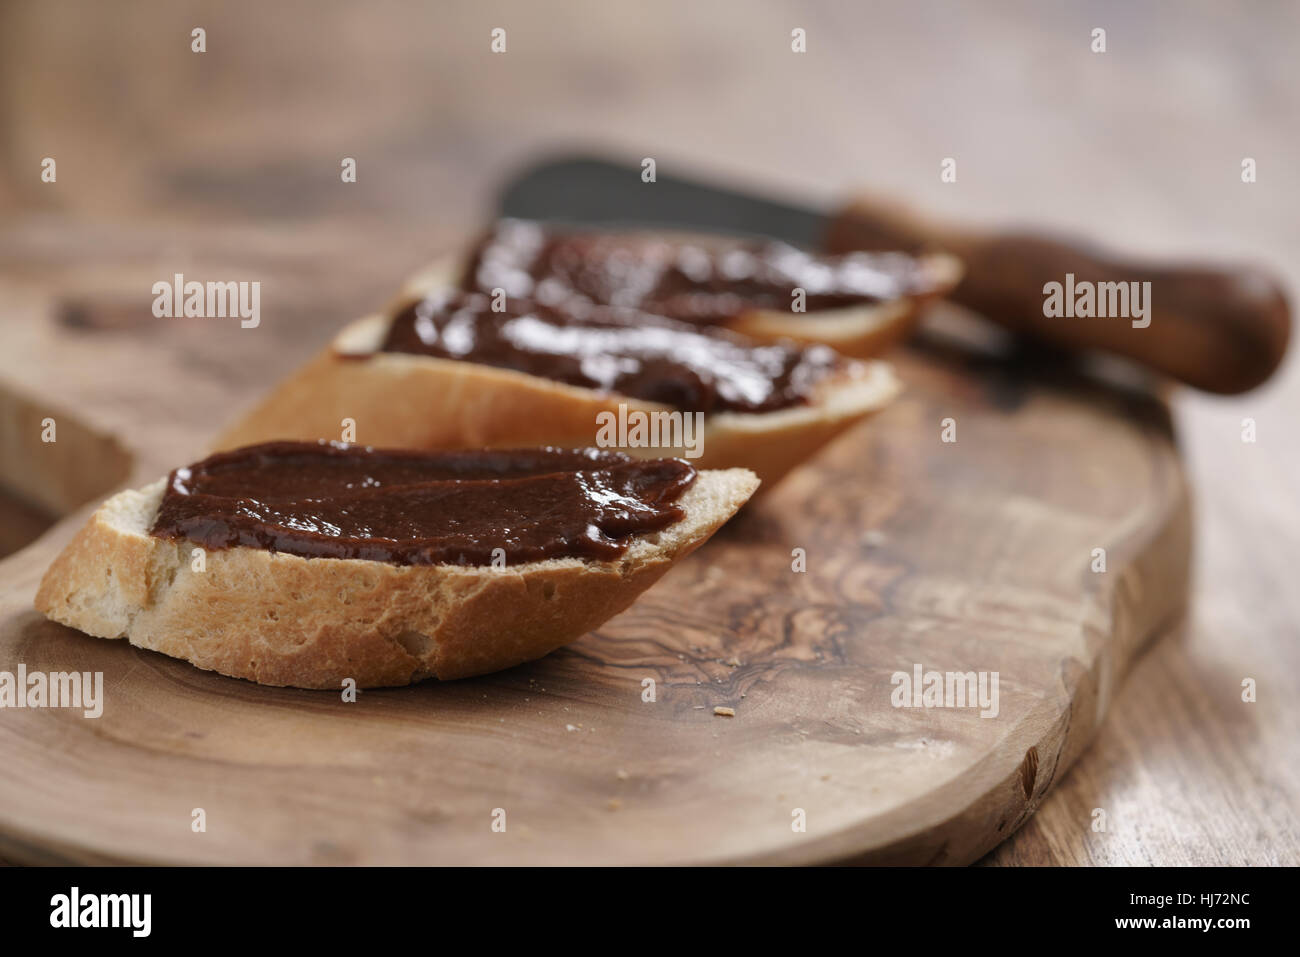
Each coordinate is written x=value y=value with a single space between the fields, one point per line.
x=700 y=281
x=329 y=500
x=615 y=350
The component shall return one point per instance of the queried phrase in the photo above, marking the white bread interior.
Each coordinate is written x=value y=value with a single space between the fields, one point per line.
x=412 y=401
x=281 y=619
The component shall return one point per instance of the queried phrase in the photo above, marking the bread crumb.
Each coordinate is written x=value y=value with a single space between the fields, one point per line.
x=621 y=774
x=614 y=804
x=569 y=727
x=733 y=661
x=725 y=712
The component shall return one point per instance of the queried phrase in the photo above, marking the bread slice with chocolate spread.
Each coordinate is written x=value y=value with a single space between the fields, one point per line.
x=279 y=607
x=426 y=401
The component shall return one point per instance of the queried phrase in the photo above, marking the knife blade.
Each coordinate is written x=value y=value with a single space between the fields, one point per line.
x=580 y=191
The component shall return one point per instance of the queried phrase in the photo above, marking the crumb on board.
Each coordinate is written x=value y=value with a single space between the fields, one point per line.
x=621 y=774
x=725 y=712
x=614 y=804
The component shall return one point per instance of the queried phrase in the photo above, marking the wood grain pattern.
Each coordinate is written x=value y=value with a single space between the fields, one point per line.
x=970 y=556
x=1139 y=148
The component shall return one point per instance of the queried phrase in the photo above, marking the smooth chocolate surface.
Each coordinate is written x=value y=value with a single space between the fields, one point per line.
x=703 y=282
x=615 y=350
x=330 y=500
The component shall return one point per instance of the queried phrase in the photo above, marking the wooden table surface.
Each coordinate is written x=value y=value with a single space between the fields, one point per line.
x=157 y=146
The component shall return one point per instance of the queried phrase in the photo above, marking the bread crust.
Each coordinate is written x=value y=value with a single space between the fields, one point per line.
x=421 y=402
x=282 y=619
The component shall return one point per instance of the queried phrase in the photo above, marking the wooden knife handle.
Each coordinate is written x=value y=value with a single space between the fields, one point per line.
x=1221 y=329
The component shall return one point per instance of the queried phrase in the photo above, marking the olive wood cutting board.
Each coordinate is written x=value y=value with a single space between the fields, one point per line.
x=976 y=555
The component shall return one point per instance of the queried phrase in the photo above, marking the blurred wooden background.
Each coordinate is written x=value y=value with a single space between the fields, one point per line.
x=227 y=162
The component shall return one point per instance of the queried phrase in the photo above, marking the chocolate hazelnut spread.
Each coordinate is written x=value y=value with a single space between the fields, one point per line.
x=330 y=500
x=705 y=281
x=615 y=350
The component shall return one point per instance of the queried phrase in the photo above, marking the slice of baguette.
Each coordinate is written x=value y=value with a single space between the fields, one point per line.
x=421 y=402
x=860 y=332
x=281 y=619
